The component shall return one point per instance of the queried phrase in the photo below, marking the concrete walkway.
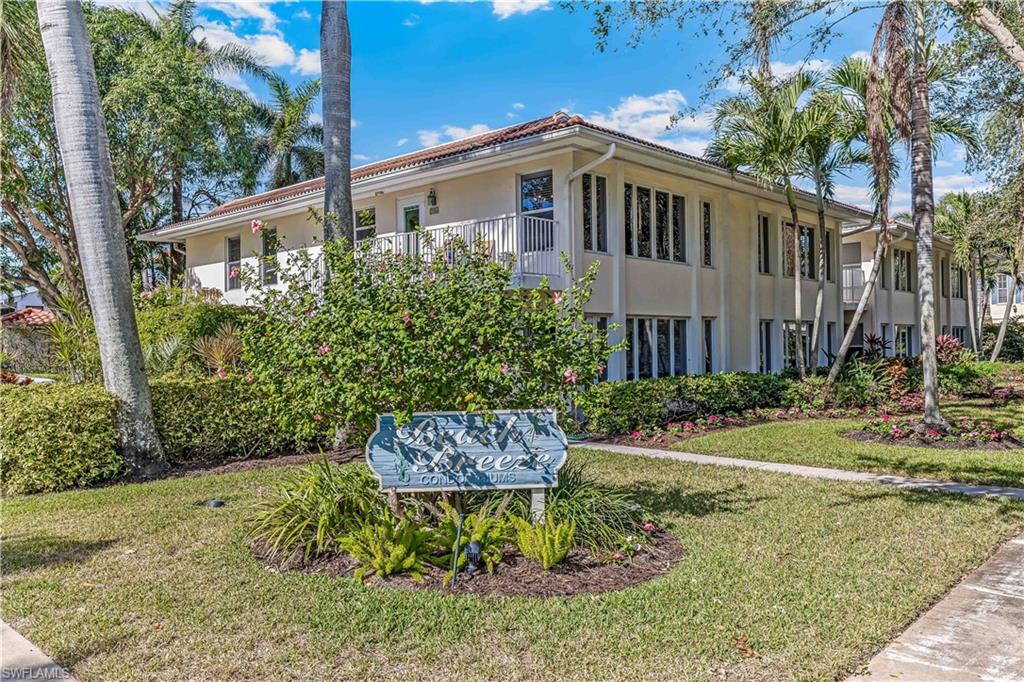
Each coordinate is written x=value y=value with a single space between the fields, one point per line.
x=906 y=482
x=975 y=633
x=21 y=660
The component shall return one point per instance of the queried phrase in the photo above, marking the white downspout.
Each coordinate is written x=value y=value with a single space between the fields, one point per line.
x=609 y=153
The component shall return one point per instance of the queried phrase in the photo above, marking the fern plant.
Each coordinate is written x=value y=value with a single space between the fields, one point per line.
x=547 y=542
x=383 y=547
x=491 y=530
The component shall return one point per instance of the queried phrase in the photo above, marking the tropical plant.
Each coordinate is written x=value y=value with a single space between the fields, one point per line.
x=315 y=508
x=161 y=354
x=289 y=146
x=72 y=340
x=488 y=527
x=221 y=351
x=548 y=542
x=385 y=546
x=764 y=132
x=336 y=63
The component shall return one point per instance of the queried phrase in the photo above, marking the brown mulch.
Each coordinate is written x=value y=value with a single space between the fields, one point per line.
x=194 y=469
x=868 y=437
x=517 y=576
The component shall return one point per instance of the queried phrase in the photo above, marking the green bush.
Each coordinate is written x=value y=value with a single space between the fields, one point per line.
x=1013 y=343
x=202 y=419
x=548 y=542
x=385 y=546
x=176 y=327
x=625 y=406
x=57 y=436
x=488 y=526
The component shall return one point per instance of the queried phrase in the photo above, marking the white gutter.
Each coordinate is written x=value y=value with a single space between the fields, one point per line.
x=609 y=153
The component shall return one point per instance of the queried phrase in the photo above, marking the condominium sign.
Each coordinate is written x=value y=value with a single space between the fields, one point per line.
x=467 y=451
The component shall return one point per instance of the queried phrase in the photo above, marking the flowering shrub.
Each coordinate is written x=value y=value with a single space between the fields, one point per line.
x=960 y=431
x=14 y=379
x=408 y=332
x=1001 y=397
x=949 y=350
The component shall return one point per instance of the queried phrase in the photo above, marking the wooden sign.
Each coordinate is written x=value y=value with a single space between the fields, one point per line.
x=467 y=451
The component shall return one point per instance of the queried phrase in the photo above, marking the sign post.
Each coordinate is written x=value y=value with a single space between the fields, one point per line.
x=458 y=451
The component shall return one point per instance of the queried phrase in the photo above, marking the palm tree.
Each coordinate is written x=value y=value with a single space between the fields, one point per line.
x=957 y=216
x=289 y=146
x=19 y=44
x=763 y=132
x=82 y=136
x=336 y=65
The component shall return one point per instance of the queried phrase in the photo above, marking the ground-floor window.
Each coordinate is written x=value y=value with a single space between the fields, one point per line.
x=765 y=346
x=904 y=341
x=601 y=322
x=960 y=334
x=657 y=347
x=830 y=336
x=708 y=344
x=790 y=338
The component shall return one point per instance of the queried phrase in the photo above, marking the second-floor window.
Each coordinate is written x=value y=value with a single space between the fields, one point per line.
x=901 y=274
x=366 y=223
x=595 y=213
x=764 y=245
x=537 y=195
x=958 y=283
x=268 y=263
x=829 y=275
x=943 y=277
x=808 y=256
x=707 y=231
x=233 y=247
x=655 y=222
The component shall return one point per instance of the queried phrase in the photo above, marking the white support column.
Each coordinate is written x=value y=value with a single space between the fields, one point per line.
x=617 y=247
x=695 y=361
x=755 y=281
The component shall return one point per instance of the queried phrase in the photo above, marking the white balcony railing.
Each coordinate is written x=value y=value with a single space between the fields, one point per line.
x=533 y=243
x=853 y=283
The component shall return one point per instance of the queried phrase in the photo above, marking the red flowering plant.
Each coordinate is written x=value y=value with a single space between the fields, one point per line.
x=960 y=431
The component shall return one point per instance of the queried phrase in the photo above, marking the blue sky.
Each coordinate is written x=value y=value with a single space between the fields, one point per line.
x=429 y=72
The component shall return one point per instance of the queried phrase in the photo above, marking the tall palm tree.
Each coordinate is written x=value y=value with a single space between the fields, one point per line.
x=763 y=132
x=957 y=217
x=336 y=65
x=82 y=136
x=19 y=44
x=289 y=146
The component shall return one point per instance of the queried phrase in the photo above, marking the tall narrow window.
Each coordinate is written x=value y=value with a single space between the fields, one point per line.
x=884 y=333
x=1001 y=291
x=645 y=334
x=764 y=249
x=958 y=283
x=595 y=213
x=707 y=234
x=788 y=250
x=664 y=349
x=904 y=341
x=808 y=253
x=269 y=260
x=601 y=213
x=588 y=212
x=627 y=203
x=643 y=222
x=366 y=223
x=678 y=228
x=902 y=264
x=943 y=277
x=630 y=348
x=679 y=346
x=830 y=335
x=233 y=261
x=883 y=273
x=765 y=346
x=829 y=275
x=600 y=322
x=709 y=343
x=663 y=247
x=792 y=335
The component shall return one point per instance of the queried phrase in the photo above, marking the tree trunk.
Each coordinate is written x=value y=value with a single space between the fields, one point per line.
x=336 y=64
x=881 y=245
x=819 y=300
x=82 y=136
x=991 y=24
x=924 y=214
x=972 y=306
x=998 y=347
x=797 y=283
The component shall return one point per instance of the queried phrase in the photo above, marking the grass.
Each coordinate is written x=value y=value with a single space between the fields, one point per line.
x=143 y=581
x=823 y=443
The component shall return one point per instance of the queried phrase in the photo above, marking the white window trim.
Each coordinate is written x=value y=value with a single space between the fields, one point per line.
x=633 y=357
x=401 y=203
x=228 y=262
x=593 y=212
x=635 y=222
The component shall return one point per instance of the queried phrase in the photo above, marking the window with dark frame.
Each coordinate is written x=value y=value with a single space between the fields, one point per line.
x=829 y=274
x=268 y=262
x=707 y=235
x=595 y=213
x=627 y=204
x=643 y=222
x=709 y=345
x=630 y=349
x=808 y=259
x=662 y=237
x=903 y=278
x=537 y=195
x=678 y=228
x=764 y=245
x=601 y=323
x=233 y=274
x=765 y=346
x=943 y=277
x=366 y=223
x=656 y=347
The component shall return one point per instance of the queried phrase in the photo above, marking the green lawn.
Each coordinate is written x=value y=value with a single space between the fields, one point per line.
x=821 y=442
x=144 y=581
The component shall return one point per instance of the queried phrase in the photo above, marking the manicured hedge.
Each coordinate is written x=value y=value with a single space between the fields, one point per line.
x=186 y=322
x=625 y=406
x=57 y=436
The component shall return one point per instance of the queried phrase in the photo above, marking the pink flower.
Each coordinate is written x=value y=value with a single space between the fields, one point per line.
x=649 y=527
x=617 y=556
x=431 y=276
x=249 y=378
x=505 y=368
x=635 y=434
x=324 y=349
x=220 y=372
x=318 y=417
x=569 y=376
x=407 y=318
x=256 y=225
x=556 y=297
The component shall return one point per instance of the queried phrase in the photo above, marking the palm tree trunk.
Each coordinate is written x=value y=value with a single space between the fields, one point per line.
x=81 y=133
x=924 y=213
x=797 y=283
x=972 y=306
x=336 y=64
x=819 y=301
x=998 y=347
x=881 y=245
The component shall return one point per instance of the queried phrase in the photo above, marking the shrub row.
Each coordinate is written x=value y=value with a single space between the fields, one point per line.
x=58 y=436
x=625 y=406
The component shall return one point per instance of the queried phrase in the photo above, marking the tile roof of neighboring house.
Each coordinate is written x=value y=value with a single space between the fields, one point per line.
x=557 y=121
x=28 y=317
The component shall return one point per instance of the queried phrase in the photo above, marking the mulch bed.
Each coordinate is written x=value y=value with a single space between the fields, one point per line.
x=868 y=437
x=195 y=469
x=517 y=576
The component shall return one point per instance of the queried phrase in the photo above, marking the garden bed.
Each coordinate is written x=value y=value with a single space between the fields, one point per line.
x=516 y=576
x=918 y=442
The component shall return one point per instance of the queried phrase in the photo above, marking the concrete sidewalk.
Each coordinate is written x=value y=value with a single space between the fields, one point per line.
x=906 y=482
x=22 y=661
x=975 y=633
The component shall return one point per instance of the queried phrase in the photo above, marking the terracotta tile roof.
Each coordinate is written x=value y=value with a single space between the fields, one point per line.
x=28 y=317
x=557 y=121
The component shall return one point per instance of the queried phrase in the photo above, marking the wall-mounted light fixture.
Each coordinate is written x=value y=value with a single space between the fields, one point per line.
x=432 y=197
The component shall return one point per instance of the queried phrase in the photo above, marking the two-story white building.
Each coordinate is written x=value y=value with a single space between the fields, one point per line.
x=694 y=268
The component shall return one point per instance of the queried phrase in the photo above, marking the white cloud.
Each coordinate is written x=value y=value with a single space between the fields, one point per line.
x=518 y=105
x=402 y=142
x=316 y=119
x=447 y=133
x=355 y=124
x=270 y=47
x=302 y=14
x=503 y=9
x=360 y=157
x=247 y=9
x=428 y=138
x=236 y=81
x=654 y=117
x=411 y=20
x=307 y=63
x=861 y=54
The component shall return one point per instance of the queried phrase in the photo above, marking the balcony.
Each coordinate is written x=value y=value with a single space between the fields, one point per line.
x=853 y=284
